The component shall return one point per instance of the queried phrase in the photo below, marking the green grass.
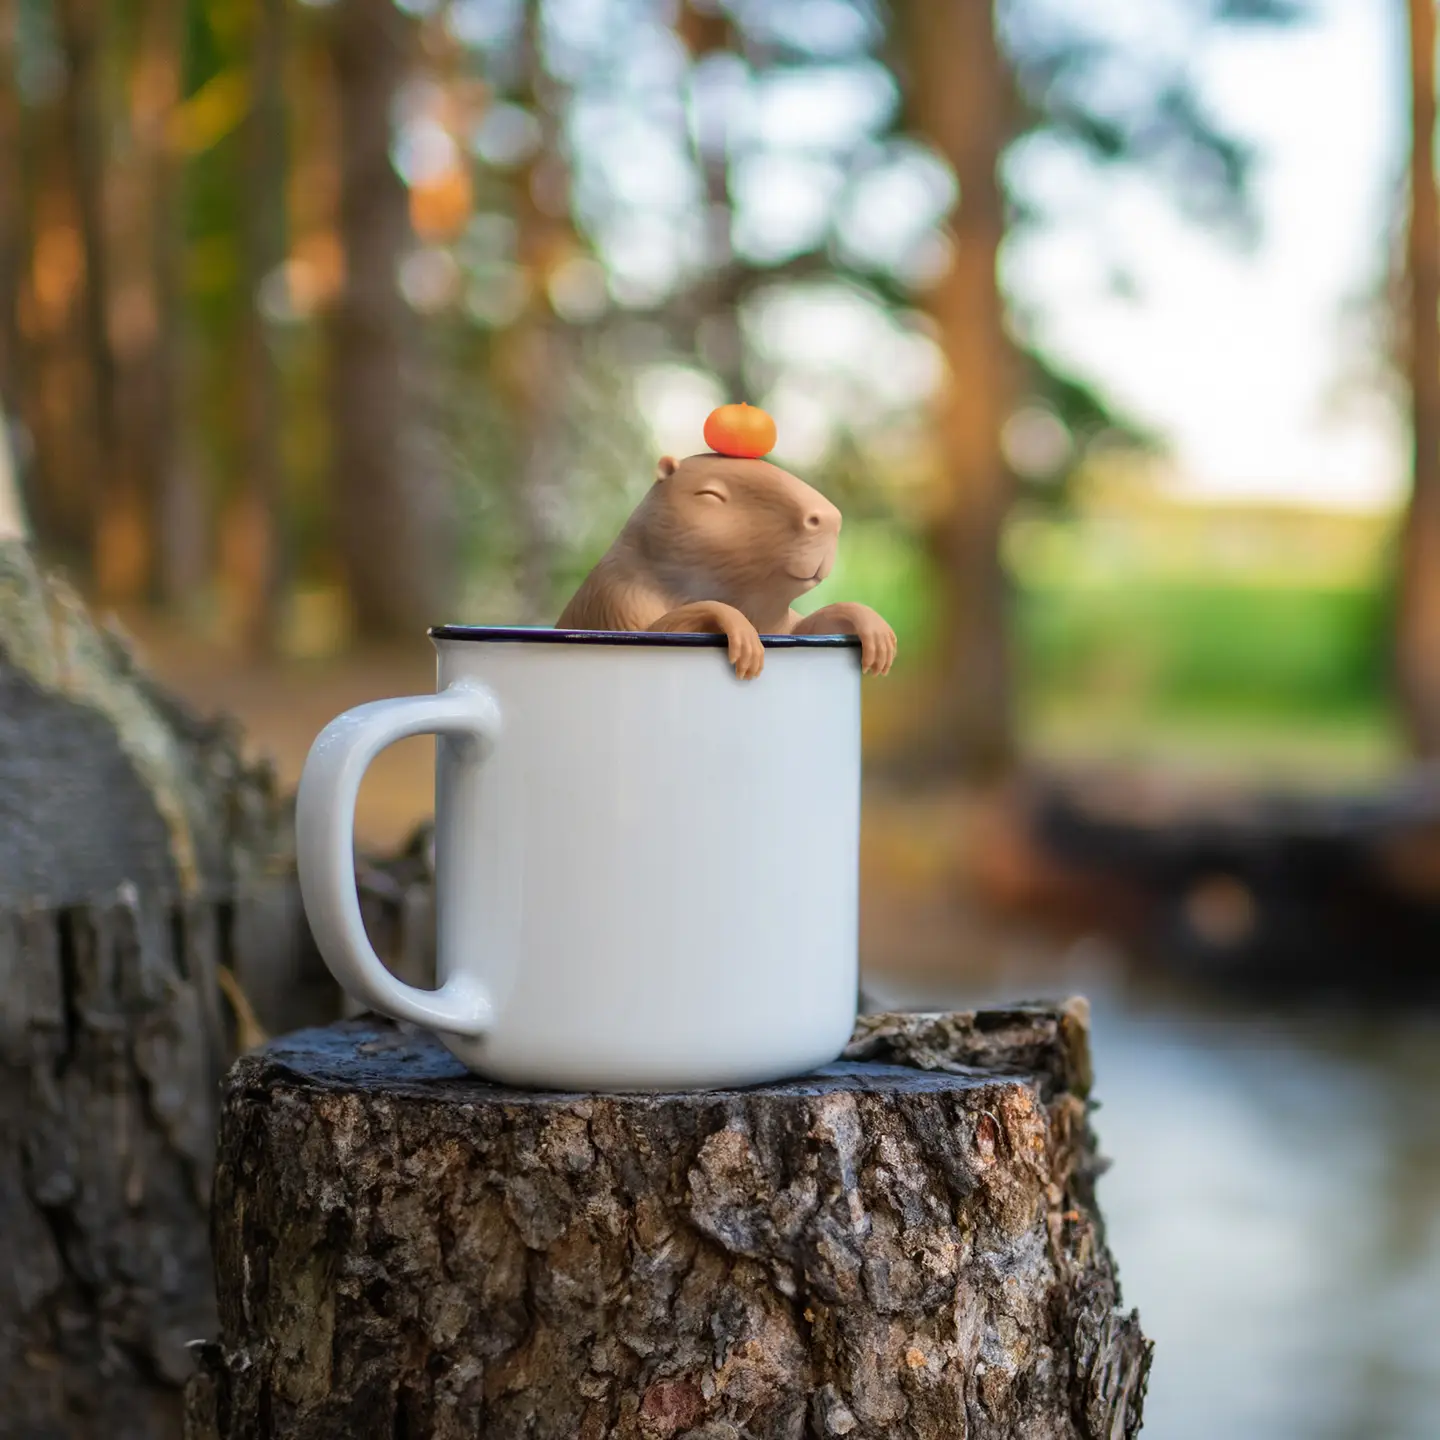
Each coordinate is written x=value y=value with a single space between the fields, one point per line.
x=1285 y=680
x=1284 y=648
x=1327 y=749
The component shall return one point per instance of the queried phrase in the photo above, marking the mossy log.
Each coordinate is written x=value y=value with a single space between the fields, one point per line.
x=903 y=1244
x=146 y=890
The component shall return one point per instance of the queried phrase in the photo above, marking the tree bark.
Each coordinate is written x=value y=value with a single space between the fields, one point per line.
x=961 y=102
x=391 y=513
x=143 y=867
x=903 y=1244
x=1418 y=624
x=110 y=1048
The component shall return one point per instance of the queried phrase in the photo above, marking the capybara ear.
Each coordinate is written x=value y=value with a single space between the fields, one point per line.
x=666 y=467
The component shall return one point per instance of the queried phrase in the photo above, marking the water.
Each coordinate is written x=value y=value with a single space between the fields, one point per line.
x=1274 y=1205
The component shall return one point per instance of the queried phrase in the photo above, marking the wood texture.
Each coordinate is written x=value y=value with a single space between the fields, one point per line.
x=111 y=1036
x=903 y=1244
x=142 y=861
x=107 y=781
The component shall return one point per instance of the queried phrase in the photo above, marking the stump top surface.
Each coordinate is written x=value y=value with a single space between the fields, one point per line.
x=370 y=1056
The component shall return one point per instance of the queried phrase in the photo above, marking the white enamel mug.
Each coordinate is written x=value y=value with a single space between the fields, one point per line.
x=647 y=869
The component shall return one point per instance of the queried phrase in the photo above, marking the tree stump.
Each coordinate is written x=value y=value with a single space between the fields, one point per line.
x=146 y=888
x=905 y=1243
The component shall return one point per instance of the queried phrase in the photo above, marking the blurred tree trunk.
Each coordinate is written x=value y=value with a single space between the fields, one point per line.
x=256 y=572
x=55 y=381
x=12 y=206
x=312 y=217
x=122 y=540
x=390 y=519
x=717 y=339
x=1418 y=635
x=115 y=524
x=535 y=357
x=143 y=252
x=175 y=571
x=960 y=98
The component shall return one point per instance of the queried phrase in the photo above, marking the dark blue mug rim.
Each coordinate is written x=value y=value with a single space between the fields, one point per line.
x=547 y=635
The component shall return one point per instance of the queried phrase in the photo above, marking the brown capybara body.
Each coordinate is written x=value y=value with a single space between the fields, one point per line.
x=725 y=545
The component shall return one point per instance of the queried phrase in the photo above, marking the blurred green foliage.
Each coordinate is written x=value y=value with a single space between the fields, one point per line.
x=1283 y=672
x=1184 y=644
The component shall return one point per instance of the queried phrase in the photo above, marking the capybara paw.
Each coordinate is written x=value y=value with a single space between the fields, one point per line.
x=747 y=654
x=877 y=647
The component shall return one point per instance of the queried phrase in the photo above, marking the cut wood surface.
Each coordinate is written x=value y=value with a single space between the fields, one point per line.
x=905 y=1243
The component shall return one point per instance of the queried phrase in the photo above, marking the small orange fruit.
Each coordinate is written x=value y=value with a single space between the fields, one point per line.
x=741 y=430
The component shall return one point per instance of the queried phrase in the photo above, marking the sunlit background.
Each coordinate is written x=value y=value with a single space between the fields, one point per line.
x=323 y=322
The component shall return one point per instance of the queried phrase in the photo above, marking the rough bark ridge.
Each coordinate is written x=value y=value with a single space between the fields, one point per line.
x=107 y=781
x=875 y=1250
x=112 y=1038
x=142 y=863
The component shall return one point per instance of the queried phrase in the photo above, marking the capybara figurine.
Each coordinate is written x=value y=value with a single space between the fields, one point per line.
x=723 y=543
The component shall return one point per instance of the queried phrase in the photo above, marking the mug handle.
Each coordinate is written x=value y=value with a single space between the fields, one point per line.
x=325 y=848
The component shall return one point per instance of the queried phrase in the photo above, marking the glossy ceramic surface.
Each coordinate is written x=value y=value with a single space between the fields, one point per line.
x=647 y=869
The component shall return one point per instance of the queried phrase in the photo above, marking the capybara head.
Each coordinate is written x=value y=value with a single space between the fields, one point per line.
x=743 y=531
